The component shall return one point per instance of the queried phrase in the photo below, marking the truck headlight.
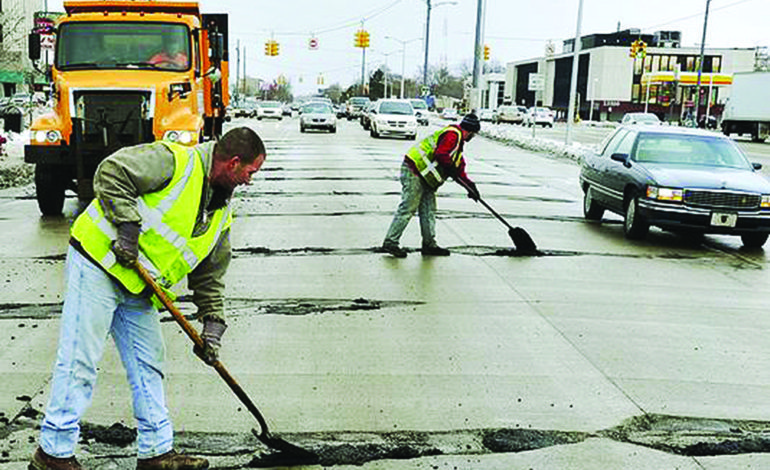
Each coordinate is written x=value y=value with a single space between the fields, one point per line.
x=182 y=137
x=765 y=204
x=51 y=137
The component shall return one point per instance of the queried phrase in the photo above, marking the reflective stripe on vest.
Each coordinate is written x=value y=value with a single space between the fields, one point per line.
x=168 y=248
x=424 y=160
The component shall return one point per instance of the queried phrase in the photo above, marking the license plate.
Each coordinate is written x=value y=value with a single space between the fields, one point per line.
x=721 y=219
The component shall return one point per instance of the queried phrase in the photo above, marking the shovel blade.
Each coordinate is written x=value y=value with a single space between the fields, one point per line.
x=522 y=241
x=288 y=455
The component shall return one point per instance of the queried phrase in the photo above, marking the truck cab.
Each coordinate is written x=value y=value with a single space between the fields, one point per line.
x=125 y=73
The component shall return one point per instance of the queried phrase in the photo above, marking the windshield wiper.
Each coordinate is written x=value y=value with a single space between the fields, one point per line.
x=139 y=64
x=81 y=65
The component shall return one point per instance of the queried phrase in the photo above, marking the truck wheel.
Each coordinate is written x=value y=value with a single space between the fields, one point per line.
x=49 y=188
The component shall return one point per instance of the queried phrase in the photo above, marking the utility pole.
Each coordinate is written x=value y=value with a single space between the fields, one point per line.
x=427 y=40
x=244 y=70
x=478 y=59
x=573 y=80
x=237 y=71
x=700 y=65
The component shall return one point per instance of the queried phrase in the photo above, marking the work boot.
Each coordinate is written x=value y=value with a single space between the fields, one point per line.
x=42 y=461
x=394 y=250
x=172 y=461
x=434 y=250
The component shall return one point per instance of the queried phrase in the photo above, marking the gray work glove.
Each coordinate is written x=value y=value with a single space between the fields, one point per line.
x=126 y=247
x=212 y=340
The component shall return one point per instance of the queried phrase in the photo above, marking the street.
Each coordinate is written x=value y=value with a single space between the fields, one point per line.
x=649 y=354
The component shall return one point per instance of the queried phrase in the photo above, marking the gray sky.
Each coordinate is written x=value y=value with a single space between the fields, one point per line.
x=515 y=30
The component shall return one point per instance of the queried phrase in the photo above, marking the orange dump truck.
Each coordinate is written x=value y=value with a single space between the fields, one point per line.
x=125 y=72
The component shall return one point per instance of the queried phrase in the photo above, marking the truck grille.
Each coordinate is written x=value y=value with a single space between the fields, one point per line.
x=113 y=119
x=722 y=199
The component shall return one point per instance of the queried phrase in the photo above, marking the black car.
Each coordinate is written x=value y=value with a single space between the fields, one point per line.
x=682 y=180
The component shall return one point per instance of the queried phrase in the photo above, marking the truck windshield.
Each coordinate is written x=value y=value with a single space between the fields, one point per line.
x=123 y=45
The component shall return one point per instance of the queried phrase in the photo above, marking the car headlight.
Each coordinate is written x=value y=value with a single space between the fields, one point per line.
x=51 y=136
x=664 y=194
x=182 y=137
x=765 y=204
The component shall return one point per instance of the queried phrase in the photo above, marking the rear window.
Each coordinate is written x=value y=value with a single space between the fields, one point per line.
x=396 y=107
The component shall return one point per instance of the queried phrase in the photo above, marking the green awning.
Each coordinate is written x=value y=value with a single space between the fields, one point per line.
x=14 y=76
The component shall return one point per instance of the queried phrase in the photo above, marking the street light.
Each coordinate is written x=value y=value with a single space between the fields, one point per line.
x=427 y=36
x=403 y=58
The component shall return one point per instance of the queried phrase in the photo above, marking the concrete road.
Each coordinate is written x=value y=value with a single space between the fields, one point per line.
x=601 y=353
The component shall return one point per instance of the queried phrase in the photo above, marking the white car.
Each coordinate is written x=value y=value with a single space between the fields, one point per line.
x=318 y=115
x=393 y=117
x=420 y=111
x=640 y=118
x=486 y=114
x=512 y=114
x=269 y=109
x=450 y=113
x=539 y=116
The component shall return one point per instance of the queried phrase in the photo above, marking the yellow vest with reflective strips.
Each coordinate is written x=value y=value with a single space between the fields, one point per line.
x=167 y=247
x=422 y=155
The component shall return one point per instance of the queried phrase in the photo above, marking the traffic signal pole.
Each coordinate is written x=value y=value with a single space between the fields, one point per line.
x=573 y=79
x=478 y=58
x=700 y=65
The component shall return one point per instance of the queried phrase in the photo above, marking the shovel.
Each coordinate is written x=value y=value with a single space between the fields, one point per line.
x=289 y=454
x=521 y=239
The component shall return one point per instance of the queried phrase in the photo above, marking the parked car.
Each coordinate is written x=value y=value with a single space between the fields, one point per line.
x=678 y=179
x=450 y=113
x=269 y=109
x=486 y=114
x=640 y=118
x=393 y=117
x=355 y=106
x=420 y=111
x=365 y=117
x=537 y=116
x=245 y=109
x=21 y=99
x=318 y=115
x=286 y=109
x=510 y=113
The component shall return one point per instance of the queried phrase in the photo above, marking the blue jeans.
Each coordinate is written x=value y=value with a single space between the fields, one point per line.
x=415 y=194
x=95 y=306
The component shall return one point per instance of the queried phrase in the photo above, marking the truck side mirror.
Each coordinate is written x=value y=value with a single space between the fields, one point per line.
x=34 y=46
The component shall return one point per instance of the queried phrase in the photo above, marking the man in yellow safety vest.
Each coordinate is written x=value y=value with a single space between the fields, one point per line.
x=425 y=168
x=167 y=207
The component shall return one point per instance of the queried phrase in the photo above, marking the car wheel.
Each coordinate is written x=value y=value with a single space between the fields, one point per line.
x=302 y=129
x=591 y=210
x=333 y=130
x=754 y=240
x=373 y=132
x=634 y=225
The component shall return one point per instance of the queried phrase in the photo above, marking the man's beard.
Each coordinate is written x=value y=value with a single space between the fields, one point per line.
x=219 y=197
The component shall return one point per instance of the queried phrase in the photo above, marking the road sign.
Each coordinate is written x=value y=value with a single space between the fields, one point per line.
x=536 y=82
x=313 y=44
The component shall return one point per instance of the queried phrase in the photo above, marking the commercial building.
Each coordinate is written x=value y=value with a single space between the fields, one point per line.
x=16 y=22
x=611 y=83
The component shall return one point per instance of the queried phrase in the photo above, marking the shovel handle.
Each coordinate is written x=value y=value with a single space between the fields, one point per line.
x=484 y=203
x=196 y=338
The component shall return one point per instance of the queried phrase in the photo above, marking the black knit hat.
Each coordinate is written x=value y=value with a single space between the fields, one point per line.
x=470 y=123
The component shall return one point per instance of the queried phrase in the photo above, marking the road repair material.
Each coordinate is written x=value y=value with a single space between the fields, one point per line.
x=521 y=239
x=288 y=454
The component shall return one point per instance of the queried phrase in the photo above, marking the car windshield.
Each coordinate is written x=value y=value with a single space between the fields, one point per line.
x=691 y=150
x=359 y=101
x=396 y=107
x=114 y=45
x=317 y=108
x=419 y=104
x=270 y=104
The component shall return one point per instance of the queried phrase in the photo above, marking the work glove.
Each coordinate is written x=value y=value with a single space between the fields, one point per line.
x=473 y=192
x=126 y=247
x=212 y=340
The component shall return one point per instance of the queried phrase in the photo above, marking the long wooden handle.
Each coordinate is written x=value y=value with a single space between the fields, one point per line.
x=196 y=338
x=484 y=203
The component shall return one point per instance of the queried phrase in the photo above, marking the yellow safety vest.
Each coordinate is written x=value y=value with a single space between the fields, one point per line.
x=422 y=155
x=167 y=247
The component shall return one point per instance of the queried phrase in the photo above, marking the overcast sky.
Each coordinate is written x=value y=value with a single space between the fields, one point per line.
x=514 y=30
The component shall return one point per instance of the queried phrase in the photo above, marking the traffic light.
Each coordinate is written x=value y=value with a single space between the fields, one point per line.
x=271 y=48
x=362 y=38
x=638 y=49
x=486 y=52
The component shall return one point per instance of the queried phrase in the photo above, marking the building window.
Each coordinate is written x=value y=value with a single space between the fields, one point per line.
x=664 y=63
x=635 y=93
x=656 y=63
x=690 y=64
x=716 y=64
x=638 y=67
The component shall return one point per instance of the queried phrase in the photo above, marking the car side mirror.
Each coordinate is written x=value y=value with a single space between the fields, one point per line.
x=757 y=166
x=622 y=158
